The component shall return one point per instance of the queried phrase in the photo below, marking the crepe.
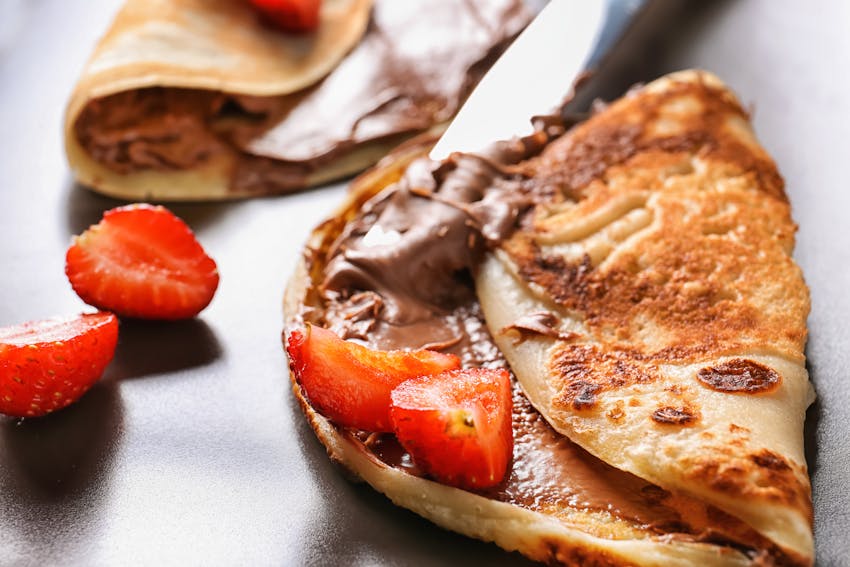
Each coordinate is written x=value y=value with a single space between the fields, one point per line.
x=621 y=267
x=665 y=258
x=198 y=99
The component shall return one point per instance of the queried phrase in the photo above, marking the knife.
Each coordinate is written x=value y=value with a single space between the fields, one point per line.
x=567 y=39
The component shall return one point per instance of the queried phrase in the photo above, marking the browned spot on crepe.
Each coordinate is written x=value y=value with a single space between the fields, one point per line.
x=675 y=416
x=769 y=460
x=739 y=375
x=584 y=371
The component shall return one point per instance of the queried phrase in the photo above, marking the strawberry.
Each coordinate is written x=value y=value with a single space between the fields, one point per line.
x=351 y=384
x=46 y=365
x=290 y=15
x=142 y=261
x=457 y=425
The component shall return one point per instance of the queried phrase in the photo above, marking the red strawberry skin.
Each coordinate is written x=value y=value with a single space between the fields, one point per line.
x=290 y=15
x=47 y=365
x=351 y=384
x=142 y=261
x=457 y=425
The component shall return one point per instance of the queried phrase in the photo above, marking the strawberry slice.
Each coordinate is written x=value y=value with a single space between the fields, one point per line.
x=290 y=15
x=46 y=365
x=457 y=425
x=142 y=261
x=351 y=384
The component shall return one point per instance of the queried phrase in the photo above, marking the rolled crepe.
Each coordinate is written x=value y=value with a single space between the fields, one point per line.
x=197 y=99
x=634 y=273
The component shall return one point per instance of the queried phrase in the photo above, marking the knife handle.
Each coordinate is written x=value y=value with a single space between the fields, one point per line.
x=619 y=14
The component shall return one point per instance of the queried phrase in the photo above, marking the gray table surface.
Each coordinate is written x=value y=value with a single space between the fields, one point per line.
x=191 y=450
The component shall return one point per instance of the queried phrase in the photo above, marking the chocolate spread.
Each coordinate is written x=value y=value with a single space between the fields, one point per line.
x=399 y=276
x=413 y=68
x=420 y=268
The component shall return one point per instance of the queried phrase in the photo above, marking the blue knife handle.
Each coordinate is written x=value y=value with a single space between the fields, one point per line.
x=618 y=15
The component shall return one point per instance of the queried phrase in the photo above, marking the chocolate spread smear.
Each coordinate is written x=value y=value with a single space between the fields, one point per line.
x=413 y=68
x=415 y=246
x=542 y=323
x=416 y=63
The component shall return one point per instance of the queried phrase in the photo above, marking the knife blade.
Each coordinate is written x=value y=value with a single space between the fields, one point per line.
x=567 y=39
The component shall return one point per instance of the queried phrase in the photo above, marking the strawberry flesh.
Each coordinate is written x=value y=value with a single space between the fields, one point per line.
x=457 y=425
x=290 y=15
x=47 y=365
x=351 y=384
x=142 y=261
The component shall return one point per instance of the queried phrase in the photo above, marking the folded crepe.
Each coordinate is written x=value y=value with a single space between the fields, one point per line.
x=198 y=99
x=634 y=272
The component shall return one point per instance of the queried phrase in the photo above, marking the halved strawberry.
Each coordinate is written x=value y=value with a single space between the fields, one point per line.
x=457 y=425
x=46 y=365
x=351 y=384
x=142 y=261
x=290 y=15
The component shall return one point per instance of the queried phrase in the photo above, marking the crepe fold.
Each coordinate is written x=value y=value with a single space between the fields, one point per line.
x=198 y=99
x=675 y=345
x=634 y=273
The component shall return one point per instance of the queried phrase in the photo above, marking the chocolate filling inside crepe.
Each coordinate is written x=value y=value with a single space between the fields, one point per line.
x=399 y=271
x=415 y=64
